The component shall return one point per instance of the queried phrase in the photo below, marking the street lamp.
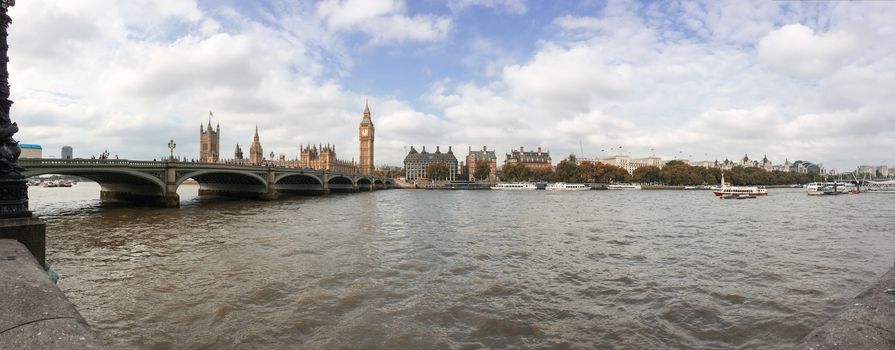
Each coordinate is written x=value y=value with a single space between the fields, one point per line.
x=171 y=146
x=13 y=189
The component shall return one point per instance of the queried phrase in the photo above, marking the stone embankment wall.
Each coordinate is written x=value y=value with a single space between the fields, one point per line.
x=867 y=323
x=34 y=313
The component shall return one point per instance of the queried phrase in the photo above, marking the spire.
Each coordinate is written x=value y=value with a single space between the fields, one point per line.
x=256 y=134
x=367 y=108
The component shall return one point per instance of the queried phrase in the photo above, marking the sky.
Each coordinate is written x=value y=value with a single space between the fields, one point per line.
x=702 y=80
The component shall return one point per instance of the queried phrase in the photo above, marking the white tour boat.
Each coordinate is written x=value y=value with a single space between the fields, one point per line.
x=739 y=190
x=623 y=186
x=515 y=186
x=562 y=186
x=828 y=188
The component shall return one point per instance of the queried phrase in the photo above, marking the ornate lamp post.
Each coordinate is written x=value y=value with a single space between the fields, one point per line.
x=16 y=221
x=13 y=189
x=171 y=146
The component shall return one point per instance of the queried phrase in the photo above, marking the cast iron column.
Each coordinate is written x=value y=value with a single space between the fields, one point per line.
x=16 y=221
x=13 y=189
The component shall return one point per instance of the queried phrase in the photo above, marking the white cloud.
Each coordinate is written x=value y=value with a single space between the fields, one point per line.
x=516 y=7
x=797 y=50
x=385 y=21
x=668 y=76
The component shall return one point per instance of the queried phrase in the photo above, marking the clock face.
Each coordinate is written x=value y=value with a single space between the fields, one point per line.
x=363 y=132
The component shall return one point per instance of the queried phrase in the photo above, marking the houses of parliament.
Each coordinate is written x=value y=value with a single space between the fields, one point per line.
x=318 y=157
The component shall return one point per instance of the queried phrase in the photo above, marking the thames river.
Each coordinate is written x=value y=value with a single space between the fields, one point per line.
x=465 y=269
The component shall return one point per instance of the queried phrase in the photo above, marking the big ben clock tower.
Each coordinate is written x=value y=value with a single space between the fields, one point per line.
x=366 y=142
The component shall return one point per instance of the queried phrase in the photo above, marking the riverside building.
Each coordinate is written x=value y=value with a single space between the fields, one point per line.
x=324 y=158
x=533 y=160
x=416 y=164
x=481 y=156
x=209 y=142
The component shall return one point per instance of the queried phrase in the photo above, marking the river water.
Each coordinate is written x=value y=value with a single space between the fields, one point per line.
x=465 y=269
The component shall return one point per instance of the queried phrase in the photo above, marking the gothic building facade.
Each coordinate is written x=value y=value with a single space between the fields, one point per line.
x=365 y=135
x=237 y=155
x=324 y=158
x=256 y=153
x=209 y=143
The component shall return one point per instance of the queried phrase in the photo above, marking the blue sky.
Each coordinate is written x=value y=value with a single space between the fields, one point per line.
x=702 y=79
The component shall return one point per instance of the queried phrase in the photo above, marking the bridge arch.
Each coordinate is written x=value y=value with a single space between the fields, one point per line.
x=364 y=184
x=339 y=183
x=298 y=178
x=222 y=176
x=119 y=180
x=299 y=184
x=226 y=182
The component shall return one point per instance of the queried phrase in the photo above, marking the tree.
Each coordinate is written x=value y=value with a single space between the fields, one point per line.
x=438 y=171
x=606 y=173
x=647 y=174
x=515 y=172
x=482 y=170
x=541 y=174
x=567 y=171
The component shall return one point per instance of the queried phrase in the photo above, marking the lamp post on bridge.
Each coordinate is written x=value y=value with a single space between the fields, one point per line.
x=16 y=221
x=171 y=146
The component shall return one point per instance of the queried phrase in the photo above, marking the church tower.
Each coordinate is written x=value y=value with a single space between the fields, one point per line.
x=209 y=142
x=256 y=154
x=366 y=142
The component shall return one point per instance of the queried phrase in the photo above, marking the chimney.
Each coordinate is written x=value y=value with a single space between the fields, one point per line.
x=484 y=148
x=470 y=149
x=521 y=149
x=539 y=149
x=437 y=149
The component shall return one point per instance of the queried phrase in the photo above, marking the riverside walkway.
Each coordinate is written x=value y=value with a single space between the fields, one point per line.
x=34 y=314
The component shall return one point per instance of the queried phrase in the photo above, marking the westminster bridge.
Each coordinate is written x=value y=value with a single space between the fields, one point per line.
x=155 y=182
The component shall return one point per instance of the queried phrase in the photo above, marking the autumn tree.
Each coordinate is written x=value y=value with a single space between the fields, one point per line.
x=568 y=171
x=515 y=172
x=482 y=170
x=647 y=174
x=438 y=171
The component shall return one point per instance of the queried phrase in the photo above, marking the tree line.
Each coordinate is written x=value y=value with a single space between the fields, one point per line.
x=674 y=173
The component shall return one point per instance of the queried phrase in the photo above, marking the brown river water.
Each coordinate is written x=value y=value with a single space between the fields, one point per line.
x=415 y=269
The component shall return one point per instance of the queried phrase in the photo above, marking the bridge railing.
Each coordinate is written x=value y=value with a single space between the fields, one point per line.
x=31 y=162
x=127 y=163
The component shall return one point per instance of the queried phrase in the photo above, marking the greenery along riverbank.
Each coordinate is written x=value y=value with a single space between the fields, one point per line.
x=674 y=173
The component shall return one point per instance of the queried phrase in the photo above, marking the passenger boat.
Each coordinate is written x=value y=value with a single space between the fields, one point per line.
x=828 y=188
x=739 y=190
x=562 y=186
x=515 y=186
x=623 y=186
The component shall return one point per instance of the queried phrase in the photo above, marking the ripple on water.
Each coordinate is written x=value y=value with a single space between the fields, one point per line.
x=420 y=269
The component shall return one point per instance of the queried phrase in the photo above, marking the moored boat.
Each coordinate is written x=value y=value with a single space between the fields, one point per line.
x=562 y=186
x=828 y=188
x=515 y=186
x=624 y=186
